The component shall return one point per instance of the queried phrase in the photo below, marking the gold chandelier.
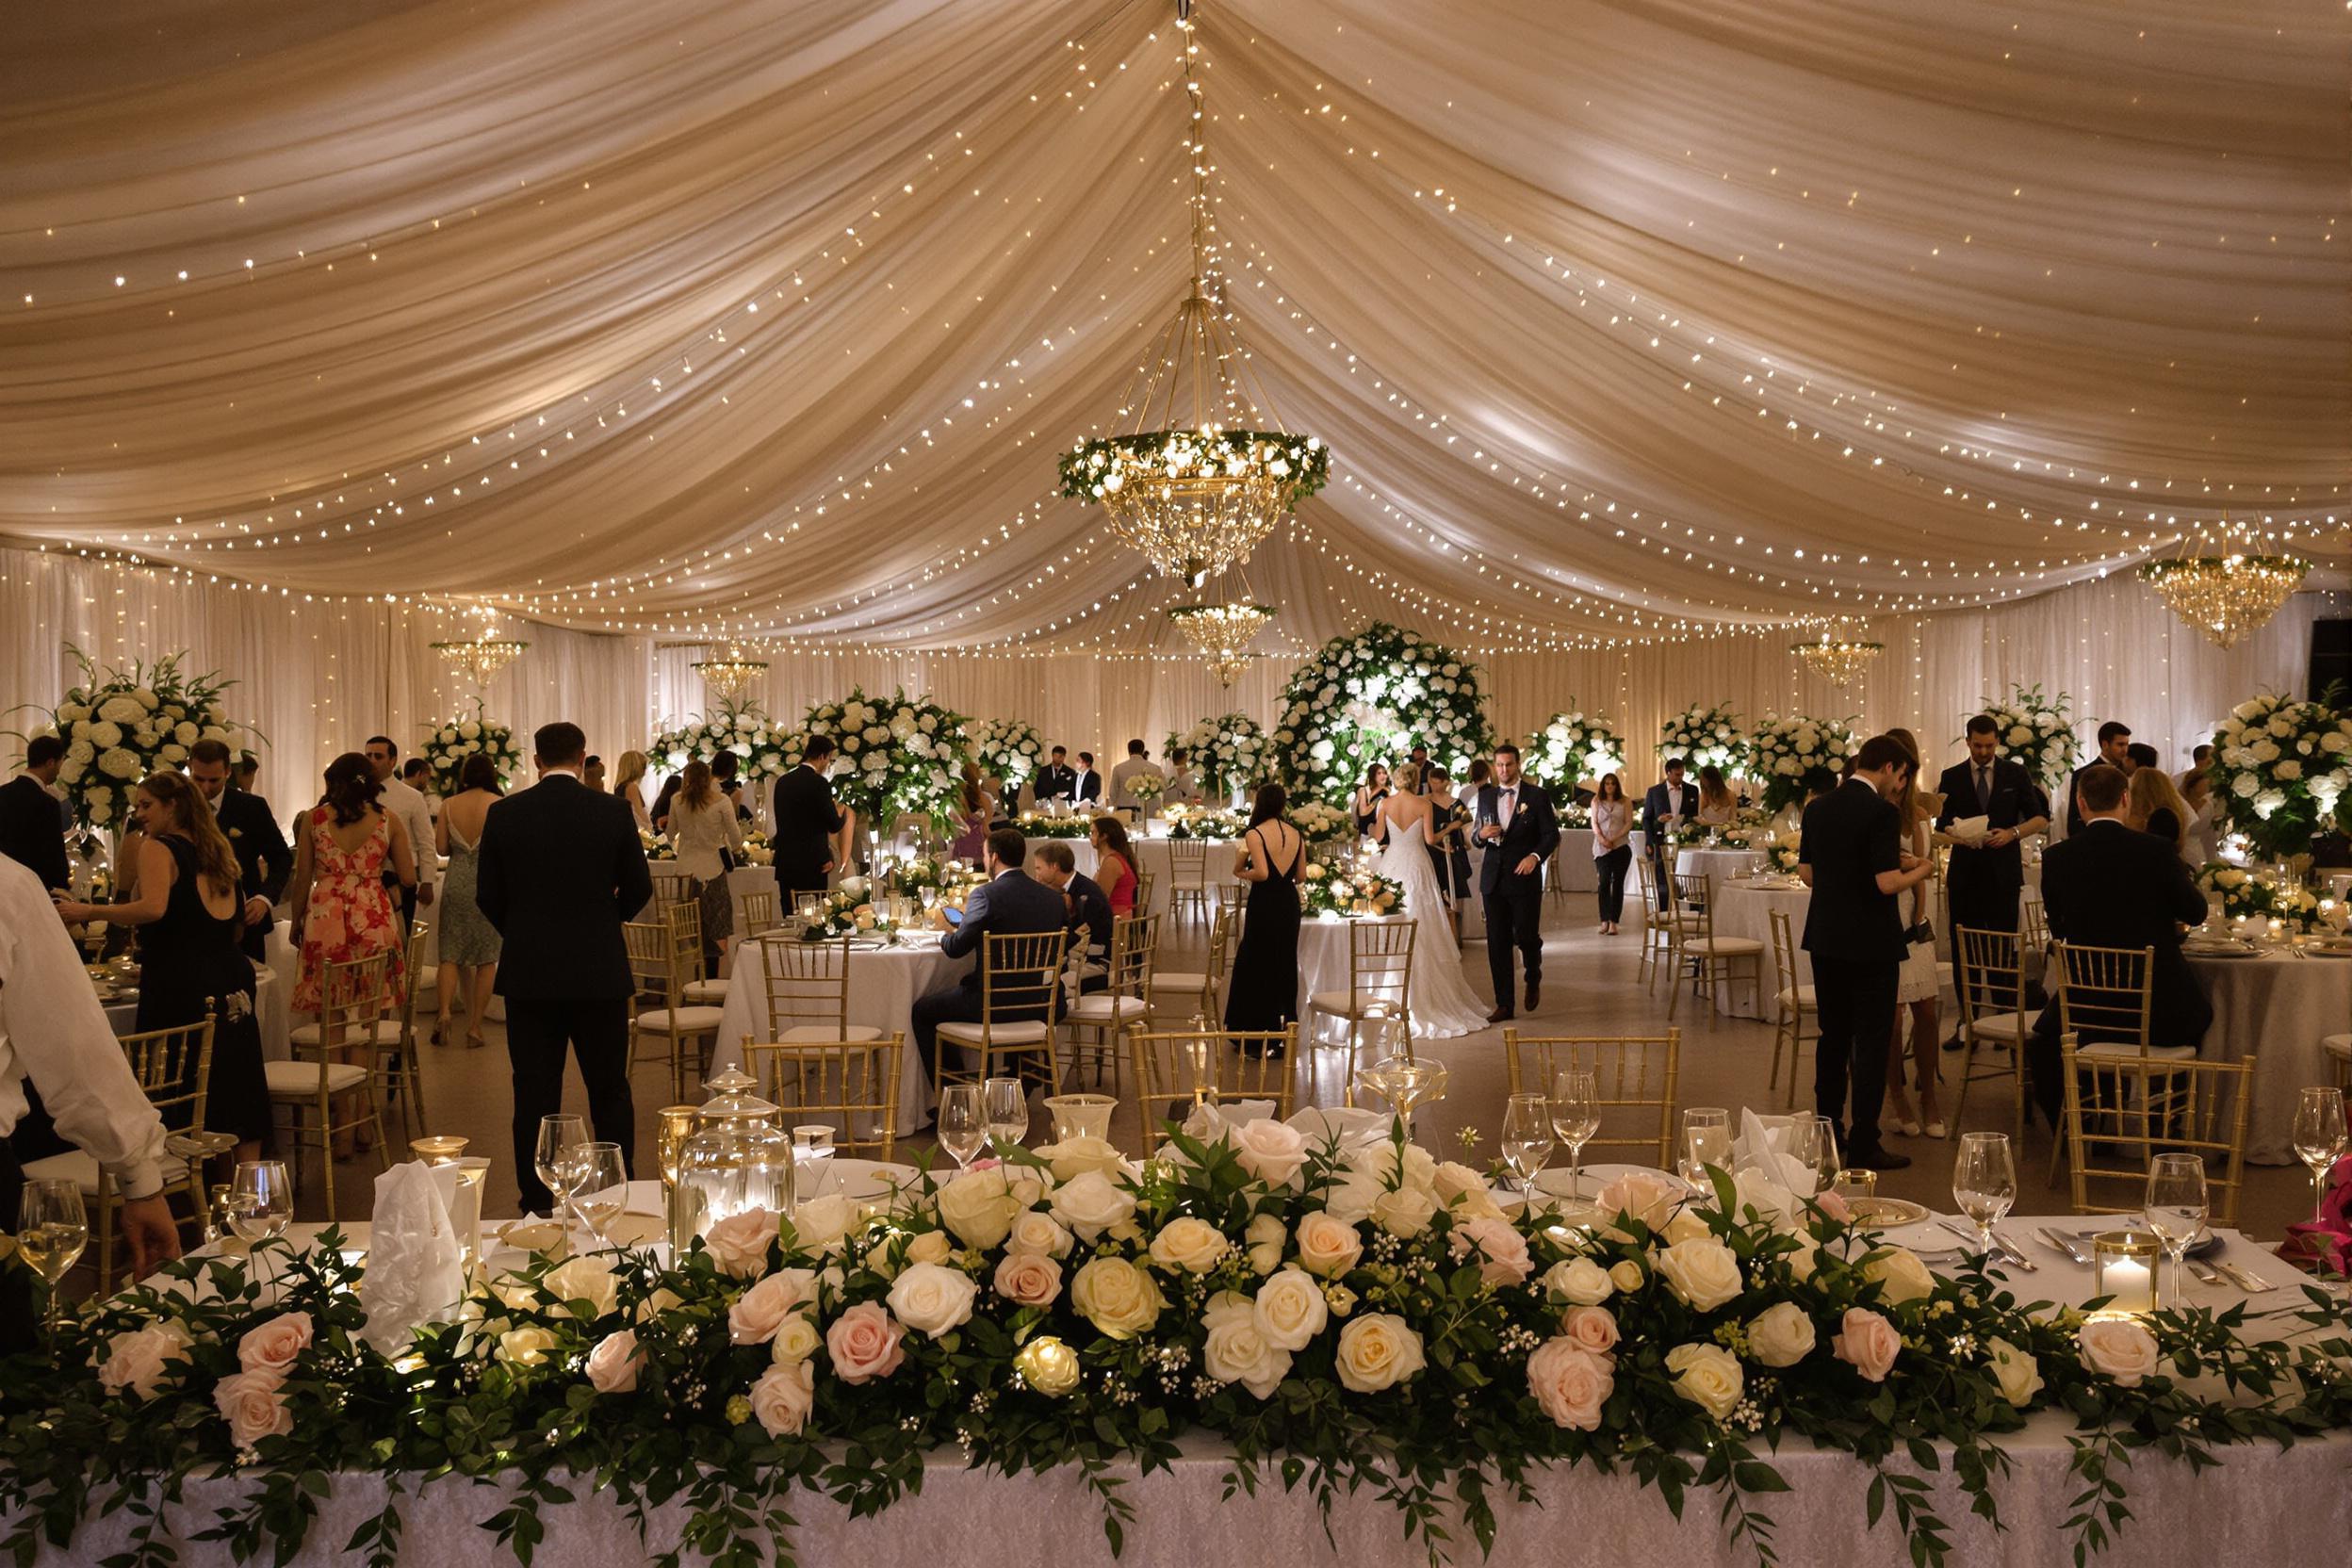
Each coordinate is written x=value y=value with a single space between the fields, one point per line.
x=1206 y=470
x=1223 y=633
x=2224 y=597
x=483 y=656
x=1837 y=657
x=731 y=676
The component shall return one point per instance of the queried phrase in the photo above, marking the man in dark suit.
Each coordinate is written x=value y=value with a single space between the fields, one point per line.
x=2110 y=885
x=2115 y=751
x=1085 y=784
x=32 y=829
x=1417 y=764
x=1089 y=906
x=1055 y=780
x=1519 y=829
x=263 y=860
x=1010 y=902
x=1672 y=801
x=806 y=817
x=1851 y=855
x=560 y=869
x=1986 y=879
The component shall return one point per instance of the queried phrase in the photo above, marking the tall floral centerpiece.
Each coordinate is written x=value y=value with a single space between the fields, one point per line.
x=1572 y=746
x=904 y=757
x=2036 y=733
x=764 y=745
x=1227 y=754
x=2281 y=770
x=1370 y=696
x=1009 y=749
x=119 y=726
x=1782 y=751
x=1707 y=736
x=458 y=740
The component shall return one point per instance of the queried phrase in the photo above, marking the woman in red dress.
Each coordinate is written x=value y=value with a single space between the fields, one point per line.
x=342 y=909
x=1115 y=873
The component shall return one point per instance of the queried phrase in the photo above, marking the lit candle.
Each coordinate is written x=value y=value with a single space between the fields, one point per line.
x=2123 y=1267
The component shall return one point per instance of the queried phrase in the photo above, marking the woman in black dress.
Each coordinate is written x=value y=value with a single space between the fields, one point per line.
x=191 y=921
x=1366 y=808
x=1263 y=995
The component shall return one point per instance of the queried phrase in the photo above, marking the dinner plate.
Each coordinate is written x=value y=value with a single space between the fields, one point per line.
x=2203 y=1246
x=2344 y=952
x=634 y=1230
x=1888 y=1214
x=2221 y=953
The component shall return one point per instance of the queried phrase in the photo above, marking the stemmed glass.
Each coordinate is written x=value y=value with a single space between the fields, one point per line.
x=1005 y=1108
x=1526 y=1139
x=1705 y=1141
x=1575 y=1116
x=1984 y=1182
x=2319 y=1138
x=599 y=1186
x=1823 y=1148
x=963 y=1129
x=2176 y=1205
x=551 y=1158
x=261 y=1201
x=52 y=1229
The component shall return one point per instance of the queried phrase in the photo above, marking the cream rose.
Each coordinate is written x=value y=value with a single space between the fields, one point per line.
x=1048 y=1367
x=136 y=1363
x=275 y=1345
x=251 y=1403
x=821 y=1224
x=1080 y=1156
x=1626 y=1275
x=931 y=1299
x=1868 y=1343
x=783 y=1396
x=1290 y=1309
x=1271 y=1152
x=1781 y=1335
x=661 y=1301
x=613 y=1364
x=525 y=1347
x=1592 y=1329
x=1237 y=1350
x=584 y=1279
x=1502 y=1251
x=1687 y=1225
x=1902 y=1275
x=1116 y=1298
x=865 y=1343
x=1578 y=1282
x=1405 y=1212
x=1704 y=1273
x=1452 y=1180
x=761 y=1311
x=1193 y=1246
x=1038 y=1233
x=2019 y=1373
x=739 y=1244
x=2119 y=1348
x=1708 y=1376
x=1267 y=1239
x=1090 y=1204
x=1328 y=1247
x=1377 y=1351
x=796 y=1339
x=978 y=1206
x=1028 y=1279
x=1637 y=1195
x=1570 y=1384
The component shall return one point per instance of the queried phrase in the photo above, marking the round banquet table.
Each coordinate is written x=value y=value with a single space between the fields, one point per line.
x=1156 y=860
x=883 y=985
x=1323 y=947
x=1720 y=864
x=2274 y=1008
x=1574 y=873
x=1745 y=909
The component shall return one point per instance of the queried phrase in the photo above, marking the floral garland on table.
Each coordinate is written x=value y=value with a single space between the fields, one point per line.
x=1784 y=751
x=847 y=911
x=1226 y=754
x=2254 y=895
x=1009 y=749
x=1349 y=891
x=2281 y=770
x=1054 y=825
x=1364 y=1319
x=1371 y=696
x=904 y=757
x=1571 y=747
x=2036 y=733
x=121 y=726
x=762 y=744
x=1786 y=854
x=449 y=748
x=1200 y=822
x=1705 y=737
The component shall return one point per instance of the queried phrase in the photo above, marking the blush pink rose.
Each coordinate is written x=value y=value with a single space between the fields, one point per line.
x=1503 y=1252
x=865 y=1342
x=1028 y=1279
x=739 y=1244
x=761 y=1310
x=613 y=1364
x=782 y=1397
x=1592 y=1329
x=1868 y=1343
x=251 y=1403
x=1833 y=1204
x=273 y=1346
x=1571 y=1384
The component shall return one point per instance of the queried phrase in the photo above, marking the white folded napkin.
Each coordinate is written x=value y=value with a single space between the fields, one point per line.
x=1762 y=1148
x=1350 y=1124
x=1239 y=1113
x=414 y=1257
x=1968 y=830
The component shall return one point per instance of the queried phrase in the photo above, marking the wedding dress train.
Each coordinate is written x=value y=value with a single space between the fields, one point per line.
x=1441 y=1001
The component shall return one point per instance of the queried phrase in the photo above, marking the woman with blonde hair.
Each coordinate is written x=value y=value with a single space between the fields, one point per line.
x=628 y=782
x=1718 y=806
x=1918 y=985
x=2154 y=806
x=703 y=826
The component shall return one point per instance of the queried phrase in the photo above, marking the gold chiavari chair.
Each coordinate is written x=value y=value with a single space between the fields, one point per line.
x=1795 y=1007
x=2106 y=1006
x=350 y=1021
x=1187 y=878
x=1198 y=992
x=669 y=886
x=1661 y=922
x=1145 y=882
x=2149 y=1105
x=1379 y=983
x=663 y=956
x=754 y=917
x=684 y=918
x=1990 y=982
x=1714 y=961
x=1020 y=981
x=1175 y=1070
x=399 y=1071
x=1095 y=1021
x=1637 y=1076
x=850 y=1086
x=808 y=987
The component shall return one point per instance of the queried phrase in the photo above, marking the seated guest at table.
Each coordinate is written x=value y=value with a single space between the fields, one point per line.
x=32 y=829
x=190 y=961
x=264 y=859
x=710 y=842
x=2153 y=805
x=1115 y=866
x=2110 y=887
x=1262 y=989
x=1084 y=783
x=1449 y=820
x=1365 y=807
x=1090 y=913
x=470 y=943
x=1717 y=809
x=1010 y=902
x=629 y=783
x=55 y=1041
x=1613 y=848
x=1056 y=781
x=979 y=814
x=2114 y=746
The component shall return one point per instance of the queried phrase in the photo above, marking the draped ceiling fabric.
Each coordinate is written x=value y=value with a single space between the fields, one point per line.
x=1634 y=327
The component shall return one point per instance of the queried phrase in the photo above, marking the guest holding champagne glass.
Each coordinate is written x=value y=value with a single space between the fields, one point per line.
x=1613 y=848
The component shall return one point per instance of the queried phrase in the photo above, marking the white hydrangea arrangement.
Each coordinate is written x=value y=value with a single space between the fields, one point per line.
x=1782 y=751
x=2281 y=769
x=1009 y=749
x=900 y=757
x=1707 y=736
x=119 y=726
x=1318 y=823
x=1371 y=697
x=1227 y=754
x=458 y=740
x=763 y=745
x=2036 y=733
x=1571 y=747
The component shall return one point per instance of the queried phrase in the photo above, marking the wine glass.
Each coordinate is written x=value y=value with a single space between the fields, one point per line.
x=2319 y=1138
x=1984 y=1182
x=1005 y=1109
x=599 y=1186
x=1575 y=1108
x=1526 y=1139
x=963 y=1130
x=52 y=1229
x=812 y=1145
x=261 y=1201
x=1827 y=1163
x=1705 y=1141
x=2175 y=1204
x=558 y=1135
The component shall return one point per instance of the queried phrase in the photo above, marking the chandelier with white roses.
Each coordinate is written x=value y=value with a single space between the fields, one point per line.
x=1224 y=631
x=2224 y=595
x=1206 y=469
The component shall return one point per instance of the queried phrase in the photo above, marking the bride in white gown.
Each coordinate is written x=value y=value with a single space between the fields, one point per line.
x=1442 y=1002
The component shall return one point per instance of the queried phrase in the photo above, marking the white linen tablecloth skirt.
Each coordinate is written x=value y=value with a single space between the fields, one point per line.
x=2275 y=1008
x=1156 y=860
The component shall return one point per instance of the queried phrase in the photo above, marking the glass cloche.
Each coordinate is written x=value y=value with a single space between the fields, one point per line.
x=738 y=1160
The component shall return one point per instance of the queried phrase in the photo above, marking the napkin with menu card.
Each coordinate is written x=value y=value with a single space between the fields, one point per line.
x=1968 y=830
x=415 y=1274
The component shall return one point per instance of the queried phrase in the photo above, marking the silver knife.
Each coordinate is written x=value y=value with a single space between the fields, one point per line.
x=2009 y=1254
x=2065 y=1244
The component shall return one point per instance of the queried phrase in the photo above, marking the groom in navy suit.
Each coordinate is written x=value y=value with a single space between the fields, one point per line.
x=1519 y=830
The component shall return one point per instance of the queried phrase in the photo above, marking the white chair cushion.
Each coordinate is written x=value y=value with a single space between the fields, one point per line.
x=2001 y=1026
x=706 y=990
x=1005 y=1033
x=387 y=1033
x=2112 y=1049
x=817 y=1034
x=1802 y=997
x=1106 y=1009
x=1179 y=980
x=2338 y=1046
x=684 y=1020
x=82 y=1169
x=1725 y=947
x=1349 y=1004
x=299 y=1080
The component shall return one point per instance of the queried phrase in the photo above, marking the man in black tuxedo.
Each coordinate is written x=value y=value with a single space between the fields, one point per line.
x=263 y=860
x=1986 y=879
x=1089 y=906
x=1085 y=784
x=1010 y=902
x=1055 y=780
x=1850 y=855
x=560 y=869
x=2110 y=886
x=1672 y=801
x=1417 y=762
x=2115 y=751
x=806 y=817
x=32 y=829
x=1519 y=829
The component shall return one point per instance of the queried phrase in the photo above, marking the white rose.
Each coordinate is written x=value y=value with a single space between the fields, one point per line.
x=931 y=1299
x=796 y=1339
x=582 y=1278
x=1269 y=1150
x=1090 y=1204
x=137 y=1361
x=1708 y=1376
x=739 y=1244
x=1191 y=1246
x=1376 y=1351
x=1040 y=1234
x=1074 y=1157
x=978 y=1206
x=1237 y=1350
x=1116 y=1298
x=1267 y=1238
x=1579 y=1281
x=1290 y=1309
x=1904 y=1277
x=820 y=1224
x=1781 y=1335
x=1405 y=1212
x=2019 y=1373
x=2119 y=1348
x=1703 y=1272
x=1328 y=1246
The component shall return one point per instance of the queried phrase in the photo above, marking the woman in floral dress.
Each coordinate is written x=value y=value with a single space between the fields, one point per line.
x=342 y=909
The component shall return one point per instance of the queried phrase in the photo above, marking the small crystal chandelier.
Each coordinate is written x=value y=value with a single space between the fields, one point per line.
x=731 y=676
x=1223 y=633
x=483 y=655
x=1206 y=470
x=2224 y=597
x=1837 y=657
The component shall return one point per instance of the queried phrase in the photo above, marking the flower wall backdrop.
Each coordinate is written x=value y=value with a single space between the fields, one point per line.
x=1371 y=696
x=456 y=742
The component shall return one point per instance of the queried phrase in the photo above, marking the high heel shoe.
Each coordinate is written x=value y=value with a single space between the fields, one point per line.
x=440 y=1027
x=474 y=1041
x=1909 y=1128
x=1937 y=1130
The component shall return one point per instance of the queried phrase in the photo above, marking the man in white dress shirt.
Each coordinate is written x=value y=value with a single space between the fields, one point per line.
x=400 y=801
x=54 y=1032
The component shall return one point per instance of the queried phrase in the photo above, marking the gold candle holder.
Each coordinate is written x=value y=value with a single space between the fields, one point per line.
x=438 y=1149
x=2123 y=1266
x=1856 y=1186
x=677 y=1124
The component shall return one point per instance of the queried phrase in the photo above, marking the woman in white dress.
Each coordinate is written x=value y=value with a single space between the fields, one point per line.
x=1442 y=1002
x=1918 y=986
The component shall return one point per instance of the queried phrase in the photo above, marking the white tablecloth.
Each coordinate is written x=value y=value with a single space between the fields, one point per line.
x=1157 y=861
x=1719 y=864
x=1745 y=909
x=1575 y=872
x=2276 y=1009
x=1323 y=966
x=883 y=985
